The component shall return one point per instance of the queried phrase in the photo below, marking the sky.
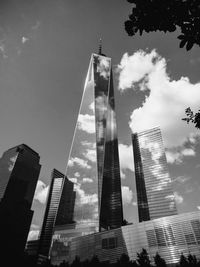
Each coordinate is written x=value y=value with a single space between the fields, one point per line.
x=45 y=49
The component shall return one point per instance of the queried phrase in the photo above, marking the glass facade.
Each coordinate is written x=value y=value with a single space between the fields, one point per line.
x=169 y=236
x=59 y=209
x=153 y=184
x=93 y=161
x=19 y=171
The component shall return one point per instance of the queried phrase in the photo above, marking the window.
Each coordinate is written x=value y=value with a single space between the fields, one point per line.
x=196 y=228
x=109 y=243
x=169 y=236
x=151 y=238
x=160 y=237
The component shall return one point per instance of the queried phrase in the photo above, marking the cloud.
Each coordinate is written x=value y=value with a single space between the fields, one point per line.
x=73 y=180
x=87 y=180
x=126 y=157
x=178 y=198
x=198 y=207
x=77 y=174
x=127 y=195
x=122 y=174
x=104 y=67
x=34 y=232
x=86 y=123
x=165 y=100
x=80 y=162
x=90 y=154
x=24 y=40
x=176 y=155
x=12 y=162
x=83 y=198
x=134 y=203
x=33 y=235
x=41 y=192
x=91 y=106
x=181 y=179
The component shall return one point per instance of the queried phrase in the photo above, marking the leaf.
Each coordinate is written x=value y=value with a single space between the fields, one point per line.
x=182 y=43
x=181 y=37
x=189 y=45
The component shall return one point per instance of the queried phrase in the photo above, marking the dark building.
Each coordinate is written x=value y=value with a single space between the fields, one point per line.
x=60 y=192
x=19 y=171
x=66 y=205
x=155 y=195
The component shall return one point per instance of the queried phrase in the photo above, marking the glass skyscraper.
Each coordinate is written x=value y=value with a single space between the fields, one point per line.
x=94 y=161
x=155 y=195
x=19 y=171
x=59 y=209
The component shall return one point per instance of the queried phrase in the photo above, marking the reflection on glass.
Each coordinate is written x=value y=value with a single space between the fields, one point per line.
x=153 y=183
x=93 y=163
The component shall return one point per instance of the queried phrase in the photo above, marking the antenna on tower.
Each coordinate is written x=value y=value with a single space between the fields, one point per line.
x=100 y=46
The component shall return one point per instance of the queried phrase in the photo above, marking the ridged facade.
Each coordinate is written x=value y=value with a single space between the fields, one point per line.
x=169 y=236
x=155 y=195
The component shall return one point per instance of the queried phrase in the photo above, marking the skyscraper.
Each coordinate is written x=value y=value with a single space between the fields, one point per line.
x=54 y=212
x=94 y=160
x=153 y=184
x=19 y=171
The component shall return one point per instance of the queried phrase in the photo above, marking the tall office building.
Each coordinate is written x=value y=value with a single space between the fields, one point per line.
x=19 y=171
x=94 y=160
x=54 y=212
x=153 y=184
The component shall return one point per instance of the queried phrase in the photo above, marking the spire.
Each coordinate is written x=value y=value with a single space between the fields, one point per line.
x=100 y=46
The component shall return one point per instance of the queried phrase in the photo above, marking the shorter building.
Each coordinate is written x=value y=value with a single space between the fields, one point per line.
x=19 y=172
x=169 y=236
x=155 y=196
x=59 y=210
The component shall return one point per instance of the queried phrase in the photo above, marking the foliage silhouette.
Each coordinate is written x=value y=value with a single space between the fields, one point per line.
x=143 y=258
x=192 y=117
x=159 y=262
x=166 y=16
x=124 y=261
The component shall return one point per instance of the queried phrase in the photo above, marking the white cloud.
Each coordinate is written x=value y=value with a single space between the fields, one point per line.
x=81 y=162
x=176 y=155
x=12 y=162
x=86 y=123
x=127 y=195
x=126 y=157
x=24 y=40
x=91 y=106
x=41 y=192
x=104 y=67
x=88 y=144
x=181 y=179
x=90 y=154
x=87 y=180
x=33 y=235
x=84 y=198
x=122 y=174
x=166 y=100
x=73 y=180
x=198 y=207
x=178 y=198
x=134 y=203
x=77 y=174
